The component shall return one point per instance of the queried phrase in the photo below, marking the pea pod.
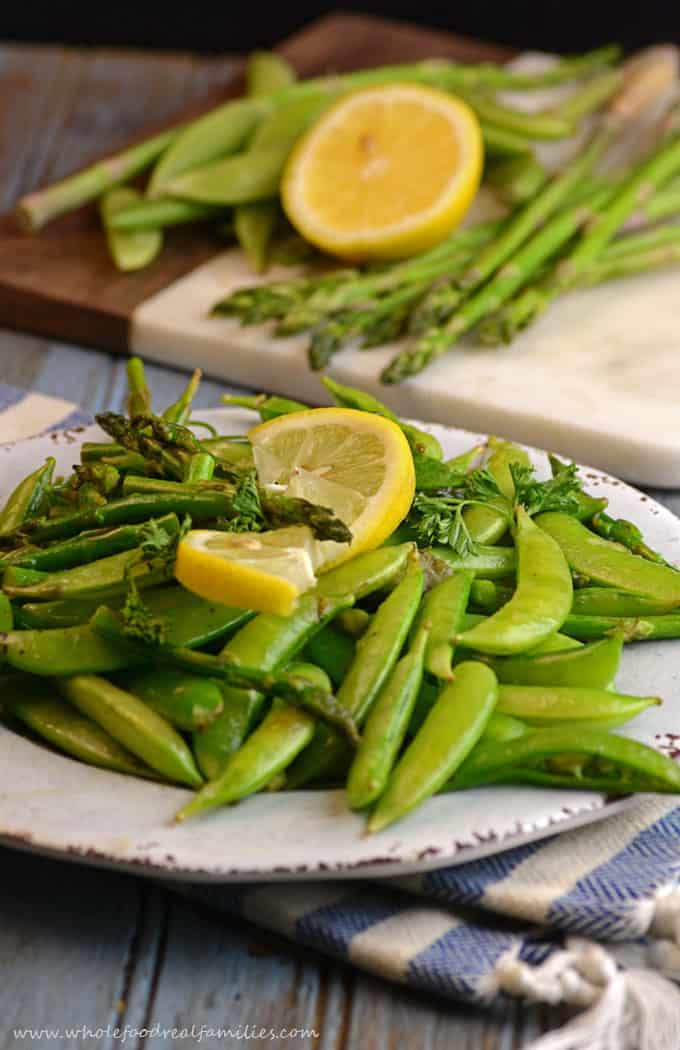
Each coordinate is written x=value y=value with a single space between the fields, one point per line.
x=450 y=731
x=386 y=727
x=593 y=665
x=62 y=651
x=267 y=72
x=267 y=406
x=541 y=705
x=606 y=601
x=620 y=763
x=421 y=441
x=540 y=603
x=554 y=643
x=486 y=562
x=443 y=609
x=282 y=685
x=633 y=628
x=187 y=618
x=606 y=563
x=180 y=410
x=91 y=546
x=271 y=641
x=101 y=579
x=130 y=249
x=254 y=174
x=27 y=499
x=376 y=654
x=185 y=701
x=6 y=614
x=62 y=727
x=464 y=461
x=486 y=524
x=133 y=725
x=268 y=750
x=502 y=727
x=332 y=651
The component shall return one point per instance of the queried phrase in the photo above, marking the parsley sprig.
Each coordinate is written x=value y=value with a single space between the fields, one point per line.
x=438 y=519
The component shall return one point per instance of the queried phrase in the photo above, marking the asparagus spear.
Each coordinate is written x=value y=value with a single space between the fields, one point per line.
x=632 y=254
x=438 y=340
x=574 y=268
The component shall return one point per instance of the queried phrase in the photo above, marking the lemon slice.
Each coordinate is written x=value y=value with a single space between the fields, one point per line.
x=266 y=571
x=356 y=463
x=386 y=172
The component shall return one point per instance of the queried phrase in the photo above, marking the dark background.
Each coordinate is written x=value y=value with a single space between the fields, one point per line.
x=559 y=25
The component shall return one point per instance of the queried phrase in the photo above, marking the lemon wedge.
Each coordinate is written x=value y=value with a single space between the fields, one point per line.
x=386 y=172
x=266 y=571
x=357 y=464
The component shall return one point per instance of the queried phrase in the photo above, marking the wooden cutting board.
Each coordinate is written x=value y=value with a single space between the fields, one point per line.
x=596 y=379
x=62 y=284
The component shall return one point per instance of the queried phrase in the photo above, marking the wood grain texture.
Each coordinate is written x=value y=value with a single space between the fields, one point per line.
x=61 y=283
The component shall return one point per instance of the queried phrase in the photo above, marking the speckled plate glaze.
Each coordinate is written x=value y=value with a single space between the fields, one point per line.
x=52 y=804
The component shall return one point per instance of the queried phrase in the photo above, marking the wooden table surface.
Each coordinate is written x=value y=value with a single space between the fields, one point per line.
x=87 y=949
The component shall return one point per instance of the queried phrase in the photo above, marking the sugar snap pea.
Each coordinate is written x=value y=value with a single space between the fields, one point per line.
x=486 y=562
x=617 y=764
x=28 y=498
x=386 y=727
x=48 y=615
x=607 y=601
x=271 y=641
x=185 y=701
x=132 y=724
x=540 y=603
x=592 y=665
x=254 y=174
x=421 y=441
x=39 y=708
x=450 y=731
x=486 y=524
x=332 y=651
x=6 y=614
x=200 y=467
x=100 y=579
x=281 y=735
x=61 y=651
x=443 y=609
x=540 y=705
x=129 y=249
x=377 y=651
x=267 y=72
x=502 y=727
x=268 y=750
x=606 y=563
x=285 y=686
x=267 y=406
x=633 y=628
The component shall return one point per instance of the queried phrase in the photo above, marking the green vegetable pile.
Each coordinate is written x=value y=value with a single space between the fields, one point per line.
x=586 y=224
x=479 y=645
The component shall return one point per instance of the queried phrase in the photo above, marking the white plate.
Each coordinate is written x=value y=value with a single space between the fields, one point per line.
x=53 y=804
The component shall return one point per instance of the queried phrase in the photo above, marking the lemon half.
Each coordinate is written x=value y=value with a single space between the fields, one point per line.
x=386 y=172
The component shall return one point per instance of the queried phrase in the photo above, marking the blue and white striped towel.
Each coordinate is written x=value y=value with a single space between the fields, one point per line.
x=528 y=922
